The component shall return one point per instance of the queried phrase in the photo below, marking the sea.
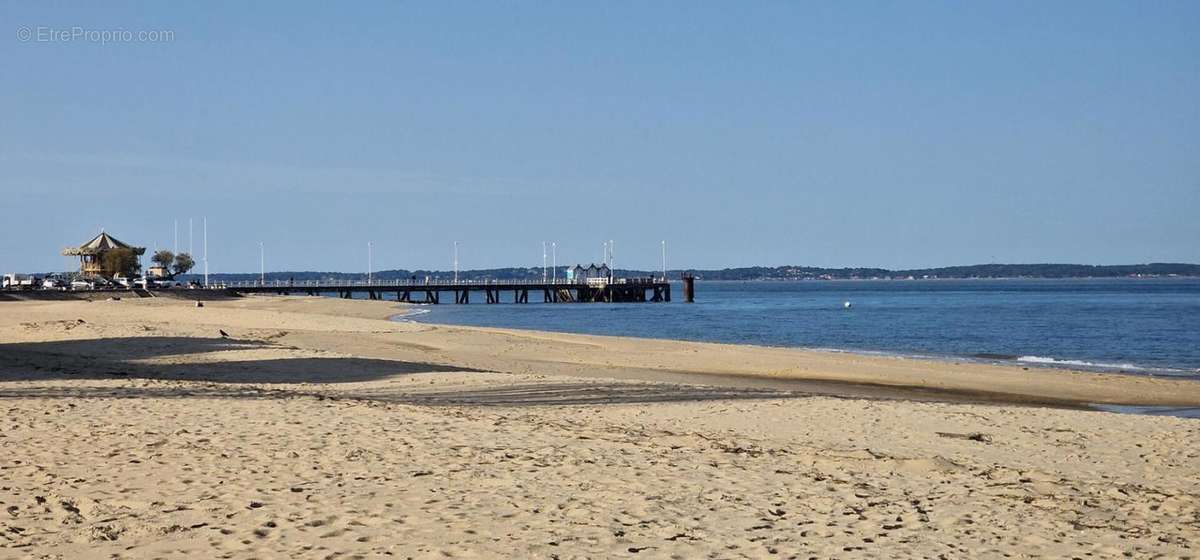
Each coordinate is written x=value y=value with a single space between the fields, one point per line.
x=1128 y=325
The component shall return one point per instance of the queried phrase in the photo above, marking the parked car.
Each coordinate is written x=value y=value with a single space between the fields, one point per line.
x=124 y=282
x=82 y=285
x=52 y=283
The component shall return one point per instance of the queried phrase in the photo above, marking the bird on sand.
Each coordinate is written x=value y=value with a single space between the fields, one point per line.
x=223 y=333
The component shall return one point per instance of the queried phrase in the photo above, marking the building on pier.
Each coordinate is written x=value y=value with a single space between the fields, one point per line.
x=592 y=272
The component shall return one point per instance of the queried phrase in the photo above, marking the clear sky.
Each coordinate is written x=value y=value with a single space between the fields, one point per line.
x=895 y=134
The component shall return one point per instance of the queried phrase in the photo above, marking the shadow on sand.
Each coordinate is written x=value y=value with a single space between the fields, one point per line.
x=117 y=358
x=130 y=357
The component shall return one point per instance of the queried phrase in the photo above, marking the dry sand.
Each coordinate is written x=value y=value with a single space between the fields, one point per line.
x=132 y=429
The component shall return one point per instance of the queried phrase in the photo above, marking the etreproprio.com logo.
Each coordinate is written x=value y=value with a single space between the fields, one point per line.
x=80 y=34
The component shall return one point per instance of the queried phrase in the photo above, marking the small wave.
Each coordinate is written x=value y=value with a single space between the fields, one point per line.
x=1079 y=363
x=881 y=353
x=409 y=314
x=1102 y=366
x=1033 y=360
x=994 y=356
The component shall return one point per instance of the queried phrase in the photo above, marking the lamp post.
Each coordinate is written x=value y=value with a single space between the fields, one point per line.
x=554 y=265
x=262 y=264
x=455 y=262
x=206 y=251
x=612 y=260
x=664 y=260
x=370 y=259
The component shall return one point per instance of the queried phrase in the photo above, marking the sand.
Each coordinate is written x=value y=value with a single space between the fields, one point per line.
x=317 y=428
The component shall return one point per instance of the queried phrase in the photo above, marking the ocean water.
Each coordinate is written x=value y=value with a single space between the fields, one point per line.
x=1135 y=326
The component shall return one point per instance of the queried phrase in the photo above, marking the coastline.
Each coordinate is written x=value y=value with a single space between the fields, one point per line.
x=315 y=425
x=1018 y=361
x=1108 y=327
x=504 y=350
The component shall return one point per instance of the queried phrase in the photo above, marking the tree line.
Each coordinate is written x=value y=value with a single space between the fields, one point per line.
x=124 y=262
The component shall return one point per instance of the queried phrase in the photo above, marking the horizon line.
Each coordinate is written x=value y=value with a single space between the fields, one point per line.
x=722 y=269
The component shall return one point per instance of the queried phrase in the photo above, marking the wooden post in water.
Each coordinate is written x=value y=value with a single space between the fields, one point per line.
x=689 y=288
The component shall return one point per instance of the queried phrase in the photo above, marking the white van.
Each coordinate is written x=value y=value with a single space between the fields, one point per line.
x=15 y=281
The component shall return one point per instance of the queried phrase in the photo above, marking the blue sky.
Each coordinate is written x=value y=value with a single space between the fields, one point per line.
x=895 y=134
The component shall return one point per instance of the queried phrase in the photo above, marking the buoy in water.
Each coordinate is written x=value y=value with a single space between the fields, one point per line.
x=847 y=305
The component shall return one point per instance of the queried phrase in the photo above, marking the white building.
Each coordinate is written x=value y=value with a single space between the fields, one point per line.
x=583 y=275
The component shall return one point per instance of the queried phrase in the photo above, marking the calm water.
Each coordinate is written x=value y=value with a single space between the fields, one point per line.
x=1135 y=326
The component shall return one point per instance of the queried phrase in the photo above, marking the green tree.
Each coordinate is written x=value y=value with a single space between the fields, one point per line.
x=183 y=263
x=121 y=261
x=163 y=258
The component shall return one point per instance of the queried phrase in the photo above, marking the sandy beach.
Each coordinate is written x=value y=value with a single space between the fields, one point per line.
x=316 y=427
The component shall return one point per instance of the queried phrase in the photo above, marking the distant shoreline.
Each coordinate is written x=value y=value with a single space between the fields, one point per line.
x=778 y=273
x=1004 y=278
x=1045 y=271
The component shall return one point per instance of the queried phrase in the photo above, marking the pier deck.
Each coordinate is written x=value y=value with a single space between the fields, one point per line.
x=619 y=290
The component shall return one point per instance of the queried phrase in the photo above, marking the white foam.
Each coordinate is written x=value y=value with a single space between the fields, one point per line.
x=1103 y=366
x=1080 y=363
x=410 y=314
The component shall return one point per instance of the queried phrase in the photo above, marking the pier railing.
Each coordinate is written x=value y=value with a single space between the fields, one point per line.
x=432 y=282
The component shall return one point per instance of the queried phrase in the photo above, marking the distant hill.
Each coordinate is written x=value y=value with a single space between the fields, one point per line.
x=972 y=271
x=766 y=273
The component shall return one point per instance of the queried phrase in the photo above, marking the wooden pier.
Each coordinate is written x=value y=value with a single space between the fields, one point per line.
x=619 y=290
